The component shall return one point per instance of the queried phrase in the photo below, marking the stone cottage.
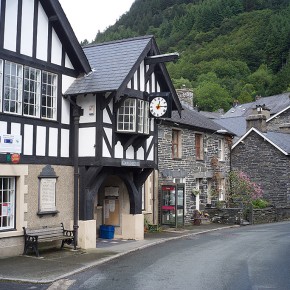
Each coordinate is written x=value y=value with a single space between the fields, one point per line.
x=263 y=153
x=193 y=162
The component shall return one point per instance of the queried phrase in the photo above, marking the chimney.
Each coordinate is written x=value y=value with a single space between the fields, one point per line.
x=261 y=109
x=185 y=95
x=257 y=121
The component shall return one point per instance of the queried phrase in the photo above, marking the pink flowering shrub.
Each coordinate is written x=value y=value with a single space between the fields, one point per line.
x=242 y=189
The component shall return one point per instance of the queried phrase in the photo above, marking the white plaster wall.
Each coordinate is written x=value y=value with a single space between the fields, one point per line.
x=64 y=148
x=87 y=102
x=27 y=27
x=53 y=142
x=28 y=140
x=105 y=150
x=42 y=34
x=130 y=153
x=142 y=77
x=11 y=25
x=56 y=49
x=3 y=127
x=40 y=140
x=15 y=128
x=87 y=137
x=118 y=150
x=151 y=154
x=68 y=63
x=140 y=154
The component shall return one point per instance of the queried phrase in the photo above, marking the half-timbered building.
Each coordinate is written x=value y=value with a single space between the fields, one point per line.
x=76 y=138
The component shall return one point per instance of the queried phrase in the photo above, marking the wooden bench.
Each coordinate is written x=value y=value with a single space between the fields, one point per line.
x=47 y=234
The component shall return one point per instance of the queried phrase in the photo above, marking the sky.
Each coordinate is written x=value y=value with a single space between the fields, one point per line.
x=88 y=16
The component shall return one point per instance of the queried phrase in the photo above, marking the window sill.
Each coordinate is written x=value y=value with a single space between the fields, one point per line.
x=42 y=213
x=177 y=158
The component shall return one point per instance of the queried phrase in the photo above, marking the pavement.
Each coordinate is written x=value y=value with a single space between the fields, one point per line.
x=55 y=264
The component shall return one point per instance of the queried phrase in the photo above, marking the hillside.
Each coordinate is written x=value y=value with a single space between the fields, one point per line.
x=229 y=49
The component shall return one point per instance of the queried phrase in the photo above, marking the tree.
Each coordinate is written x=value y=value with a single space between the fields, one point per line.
x=211 y=96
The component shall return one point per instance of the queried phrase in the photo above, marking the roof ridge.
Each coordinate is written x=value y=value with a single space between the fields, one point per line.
x=119 y=41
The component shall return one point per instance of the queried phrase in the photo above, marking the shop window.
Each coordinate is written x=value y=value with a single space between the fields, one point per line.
x=176 y=144
x=199 y=146
x=7 y=203
x=133 y=116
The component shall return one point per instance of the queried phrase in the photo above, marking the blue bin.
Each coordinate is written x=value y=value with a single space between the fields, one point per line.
x=107 y=232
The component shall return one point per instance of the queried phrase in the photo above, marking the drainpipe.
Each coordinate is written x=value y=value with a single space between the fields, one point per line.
x=77 y=112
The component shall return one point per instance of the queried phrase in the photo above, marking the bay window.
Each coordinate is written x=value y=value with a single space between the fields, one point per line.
x=133 y=116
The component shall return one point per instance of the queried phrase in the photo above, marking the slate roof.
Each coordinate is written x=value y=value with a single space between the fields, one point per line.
x=274 y=103
x=193 y=118
x=280 y=140
x=234 y=120
x=236 y=125
x=111 y=63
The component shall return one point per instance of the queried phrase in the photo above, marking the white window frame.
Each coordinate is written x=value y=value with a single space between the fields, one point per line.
x=176 y=154
x=7 y=203
x=133 y=116
x=32 y=84
x=222 y=187
x=13 y=88
x=221 y=149
x=1 y=83
x=48 y=95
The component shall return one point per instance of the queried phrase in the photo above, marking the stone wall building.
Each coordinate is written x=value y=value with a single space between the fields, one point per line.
x=194 y=155
x=264 y=156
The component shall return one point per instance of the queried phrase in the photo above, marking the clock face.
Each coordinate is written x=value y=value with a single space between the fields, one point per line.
x=158 y=107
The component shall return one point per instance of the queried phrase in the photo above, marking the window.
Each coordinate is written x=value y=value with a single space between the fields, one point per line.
x=31 y=92
x=48 y=95
x=199 y=147
x=13 y=76
x=7 y=202
x=27 y=91
x=221 y=150
x=133 y=116
x=222 y=186
x=176 y=144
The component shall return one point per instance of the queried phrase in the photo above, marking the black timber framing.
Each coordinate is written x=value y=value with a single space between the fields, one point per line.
x=91 y=179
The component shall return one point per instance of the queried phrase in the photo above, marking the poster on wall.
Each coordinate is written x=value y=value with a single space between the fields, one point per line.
x=10 y=143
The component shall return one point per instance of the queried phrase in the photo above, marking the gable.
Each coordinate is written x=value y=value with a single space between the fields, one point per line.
x=38 y=29
x=279 y=140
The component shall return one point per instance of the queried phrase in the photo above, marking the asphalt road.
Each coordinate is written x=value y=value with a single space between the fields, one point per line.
x=251 y=257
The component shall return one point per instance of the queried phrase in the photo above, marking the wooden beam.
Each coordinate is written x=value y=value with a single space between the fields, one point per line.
x=161 y=58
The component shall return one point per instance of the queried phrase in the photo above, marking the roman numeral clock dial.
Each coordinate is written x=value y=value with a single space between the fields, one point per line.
x=158 y=107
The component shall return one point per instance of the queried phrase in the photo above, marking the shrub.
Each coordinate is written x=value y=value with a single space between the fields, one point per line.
x=260 y=203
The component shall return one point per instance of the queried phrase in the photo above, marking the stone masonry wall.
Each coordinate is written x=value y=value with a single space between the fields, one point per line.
x=187 y=166
x=276 y=123
x=265 y=165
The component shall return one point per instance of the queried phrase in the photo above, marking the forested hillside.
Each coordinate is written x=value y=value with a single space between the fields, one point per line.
x=229 y=49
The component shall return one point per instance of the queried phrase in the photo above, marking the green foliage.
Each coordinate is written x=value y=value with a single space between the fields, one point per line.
x=240 y=48
x=260 y=203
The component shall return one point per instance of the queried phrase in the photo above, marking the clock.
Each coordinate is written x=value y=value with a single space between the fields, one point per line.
x=158 y=106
